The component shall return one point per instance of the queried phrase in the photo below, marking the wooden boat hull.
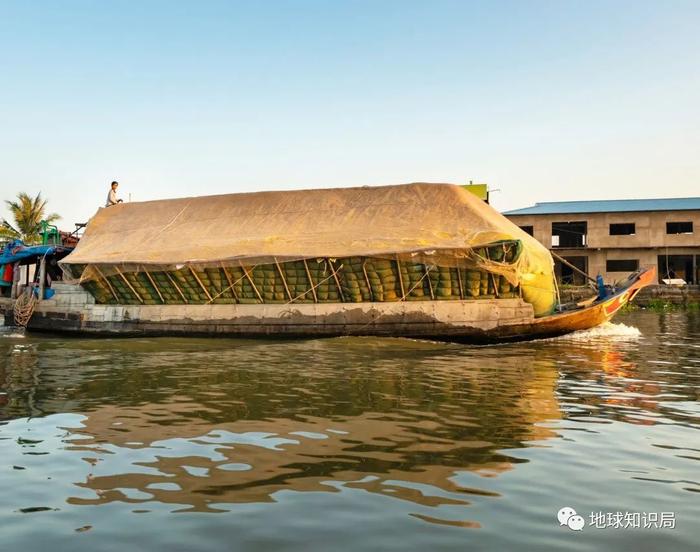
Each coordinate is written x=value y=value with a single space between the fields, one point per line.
x=468 y=321
x=590 y=316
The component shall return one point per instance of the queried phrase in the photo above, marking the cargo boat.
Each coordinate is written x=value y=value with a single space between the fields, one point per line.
x=421 y=260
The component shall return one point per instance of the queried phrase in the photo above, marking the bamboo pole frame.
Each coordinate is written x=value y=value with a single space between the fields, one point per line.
x=430 y=284
x=109 y=286
x=337 y=281
x=495 y=284
x=459 y=283
x=230 y=282
x=153 y=283
x=252 y=283
x=126 y=281
x=571 y=266
x=196 y=277
x=493 y=278
x=172 y=281
x=42 y=277
x=369 y=286
x=284 y=280
x=311 y=281
x=398 y=271
x=218 y=293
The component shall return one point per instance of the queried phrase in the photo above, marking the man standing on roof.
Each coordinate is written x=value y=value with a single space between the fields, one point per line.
x=112 y=195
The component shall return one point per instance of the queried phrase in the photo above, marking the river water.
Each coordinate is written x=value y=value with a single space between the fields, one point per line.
x=352 y=443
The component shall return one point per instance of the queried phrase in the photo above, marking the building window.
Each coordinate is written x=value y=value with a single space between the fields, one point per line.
x=684 y=267
x=679 y=227
x=573 y=272
x=622 y=265
x=528 y=230
x=569 y=234
x=623 y=229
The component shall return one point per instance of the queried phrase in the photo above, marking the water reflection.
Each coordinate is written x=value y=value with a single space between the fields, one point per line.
x=201 y=425
x=239 y=424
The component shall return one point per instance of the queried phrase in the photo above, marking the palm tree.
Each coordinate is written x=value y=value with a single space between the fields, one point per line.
x=28 y=213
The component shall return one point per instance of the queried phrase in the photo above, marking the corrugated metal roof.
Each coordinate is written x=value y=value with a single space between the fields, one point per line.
x=609 y=206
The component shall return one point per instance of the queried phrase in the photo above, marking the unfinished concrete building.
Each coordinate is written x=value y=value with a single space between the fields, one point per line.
x=616 y=237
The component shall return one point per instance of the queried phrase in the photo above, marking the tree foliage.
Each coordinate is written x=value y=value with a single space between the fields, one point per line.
x=27 y=212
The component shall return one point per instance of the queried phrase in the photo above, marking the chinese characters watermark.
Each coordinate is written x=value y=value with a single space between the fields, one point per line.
x=633 y=520
x=617 y=520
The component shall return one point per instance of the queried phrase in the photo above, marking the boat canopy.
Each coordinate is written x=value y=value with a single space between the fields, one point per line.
x=17 y=251
x=436 y=224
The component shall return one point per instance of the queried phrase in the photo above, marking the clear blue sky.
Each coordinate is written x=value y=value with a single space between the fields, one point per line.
x=547 y=100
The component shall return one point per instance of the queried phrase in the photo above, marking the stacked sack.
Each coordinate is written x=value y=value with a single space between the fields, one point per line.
x=298 y=281
x=99 y=290
x=416 y=286
x=361 y=279
x=352 y=279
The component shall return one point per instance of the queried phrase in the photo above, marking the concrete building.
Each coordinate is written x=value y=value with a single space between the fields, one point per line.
x=615 y=237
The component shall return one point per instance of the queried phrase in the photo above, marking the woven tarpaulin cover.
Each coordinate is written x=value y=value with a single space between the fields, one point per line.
x=432 y=223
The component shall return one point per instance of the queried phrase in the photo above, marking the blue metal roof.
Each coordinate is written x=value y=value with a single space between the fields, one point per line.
x=609 y=206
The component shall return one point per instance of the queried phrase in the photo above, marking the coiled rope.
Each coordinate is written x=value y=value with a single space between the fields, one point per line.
x=24 y=307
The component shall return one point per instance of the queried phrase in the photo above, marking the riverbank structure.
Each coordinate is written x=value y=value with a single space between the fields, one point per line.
x=615 y=237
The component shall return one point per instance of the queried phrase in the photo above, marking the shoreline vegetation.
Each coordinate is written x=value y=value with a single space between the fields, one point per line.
x=661 y=305
x=657 y=298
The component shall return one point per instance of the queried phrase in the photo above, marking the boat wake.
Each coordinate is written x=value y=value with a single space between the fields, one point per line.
x=608 y=330
x=11 y=332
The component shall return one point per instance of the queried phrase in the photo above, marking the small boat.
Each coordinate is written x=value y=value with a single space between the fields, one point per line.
x=418 y=260
x=584 y=316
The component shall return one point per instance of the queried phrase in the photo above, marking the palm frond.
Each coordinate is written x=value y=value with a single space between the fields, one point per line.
x=28 y=212
x=6 y=231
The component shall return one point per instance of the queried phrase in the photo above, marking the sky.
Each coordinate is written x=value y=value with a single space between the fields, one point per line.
x=542 y=100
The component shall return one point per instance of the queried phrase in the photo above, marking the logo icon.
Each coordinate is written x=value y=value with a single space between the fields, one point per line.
x=568 y=516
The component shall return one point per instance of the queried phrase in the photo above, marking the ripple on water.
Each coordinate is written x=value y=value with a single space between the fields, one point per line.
x=300 y=443
x=12 y=332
